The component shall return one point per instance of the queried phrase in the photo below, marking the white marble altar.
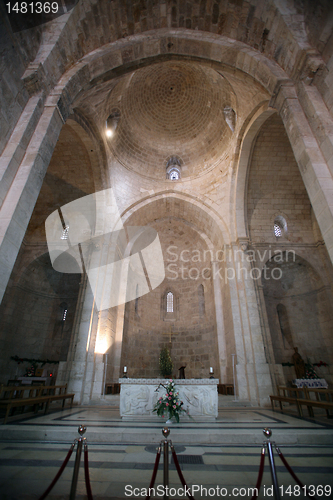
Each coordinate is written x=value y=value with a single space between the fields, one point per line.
x=138 y=397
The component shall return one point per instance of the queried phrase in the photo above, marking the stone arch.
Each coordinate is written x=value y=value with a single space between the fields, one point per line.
x=210 y=228
x=208 y=223
x=300 y=293
x=252 y=30
x=241 y=171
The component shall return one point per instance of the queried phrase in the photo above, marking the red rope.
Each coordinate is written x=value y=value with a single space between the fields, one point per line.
x=292 y=473
x=260 y=474
x=153 y=477
x=86 y=473
x=180 y=474
x=59 y=473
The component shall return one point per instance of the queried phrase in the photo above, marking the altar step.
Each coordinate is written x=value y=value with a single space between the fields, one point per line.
x=232 y=402
x=234 y=426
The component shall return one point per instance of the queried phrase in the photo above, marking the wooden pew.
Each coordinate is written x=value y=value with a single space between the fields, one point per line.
x=289 y=395
x=302 y=397
x=319 y=402
x=23 y=396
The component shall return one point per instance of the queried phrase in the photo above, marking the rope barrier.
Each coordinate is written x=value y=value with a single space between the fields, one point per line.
x=180 y=474
x=79 y=442
x=153 y=477
x=292 y=473
x=61 y=470
x=260 y=474
x=86 y=473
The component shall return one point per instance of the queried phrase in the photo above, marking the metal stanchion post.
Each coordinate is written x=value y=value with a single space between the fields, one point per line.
x=166 y=433
x=267 y=432
x=75 y=477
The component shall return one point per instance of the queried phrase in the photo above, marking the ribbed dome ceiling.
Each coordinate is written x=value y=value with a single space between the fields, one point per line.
x=171 y=109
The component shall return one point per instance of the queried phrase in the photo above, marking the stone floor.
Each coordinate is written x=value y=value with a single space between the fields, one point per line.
x=223 y=454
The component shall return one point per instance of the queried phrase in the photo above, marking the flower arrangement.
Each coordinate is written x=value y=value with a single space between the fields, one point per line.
x=309 y=370
x=169 y=404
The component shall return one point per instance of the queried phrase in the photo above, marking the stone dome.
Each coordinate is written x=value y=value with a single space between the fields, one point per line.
x=171 y=109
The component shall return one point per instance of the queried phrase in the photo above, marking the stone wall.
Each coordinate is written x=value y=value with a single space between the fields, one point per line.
x=193 y=325
x=307 y=321
x=299 y=290
x=32 y=310
x=276 y=189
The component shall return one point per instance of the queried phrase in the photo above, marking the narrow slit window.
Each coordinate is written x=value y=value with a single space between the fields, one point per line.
x=169 y=298
x=136 y=305
x=201 y=297
x=64 y=235
x=64 y=316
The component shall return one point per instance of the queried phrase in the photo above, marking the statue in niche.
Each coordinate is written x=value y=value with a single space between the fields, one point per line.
x=182 y=371
x=299 y=364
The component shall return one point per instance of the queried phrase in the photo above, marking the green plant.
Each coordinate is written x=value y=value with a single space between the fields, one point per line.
x=169 y=404
x=166 y=365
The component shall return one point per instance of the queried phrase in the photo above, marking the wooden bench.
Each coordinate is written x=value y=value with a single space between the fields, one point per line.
x=37 y=395
x=302 y=397
x=324 y=399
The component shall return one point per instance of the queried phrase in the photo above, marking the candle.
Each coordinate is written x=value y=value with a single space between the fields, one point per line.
x=125 y=369
x=211 y=369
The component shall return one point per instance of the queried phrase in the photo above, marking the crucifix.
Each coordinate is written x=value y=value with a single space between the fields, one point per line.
x=170 y=333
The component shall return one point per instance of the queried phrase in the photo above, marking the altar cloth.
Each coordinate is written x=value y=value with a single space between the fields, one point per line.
x=310 y=382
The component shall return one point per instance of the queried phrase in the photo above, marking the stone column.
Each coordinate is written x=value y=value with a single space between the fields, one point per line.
x=311 y=162
x=81 y=366
x=116 y=358
x=219 y=320
x=252 y=368
x=22 y=193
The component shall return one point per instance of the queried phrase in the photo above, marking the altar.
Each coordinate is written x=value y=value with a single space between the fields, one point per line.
x=138 y=397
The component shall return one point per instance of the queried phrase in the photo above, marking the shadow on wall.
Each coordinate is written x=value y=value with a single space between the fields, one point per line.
x=299 y=311
x=38 y=317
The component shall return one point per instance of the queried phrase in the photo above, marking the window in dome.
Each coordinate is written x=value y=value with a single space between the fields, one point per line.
x=174 y=175
x=173 y=168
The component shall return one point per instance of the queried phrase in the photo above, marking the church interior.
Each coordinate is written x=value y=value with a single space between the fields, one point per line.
x=210 y=124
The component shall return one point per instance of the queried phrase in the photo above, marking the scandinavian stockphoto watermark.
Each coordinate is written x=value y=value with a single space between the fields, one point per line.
x=88 y=235
x=229 y=263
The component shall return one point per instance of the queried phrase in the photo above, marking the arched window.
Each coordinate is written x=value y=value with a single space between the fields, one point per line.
x=201 y=298
x=169 y=302
x=280 y=226
x=64 y=235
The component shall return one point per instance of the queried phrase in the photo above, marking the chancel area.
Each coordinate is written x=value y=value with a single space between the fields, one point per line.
x=207 y=127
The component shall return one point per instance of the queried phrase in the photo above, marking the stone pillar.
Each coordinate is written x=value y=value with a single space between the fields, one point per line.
x=22 y=193
x=116 y=358
x=219 y=321
x=81 y=367
x=311 y=162
x=252 y=368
